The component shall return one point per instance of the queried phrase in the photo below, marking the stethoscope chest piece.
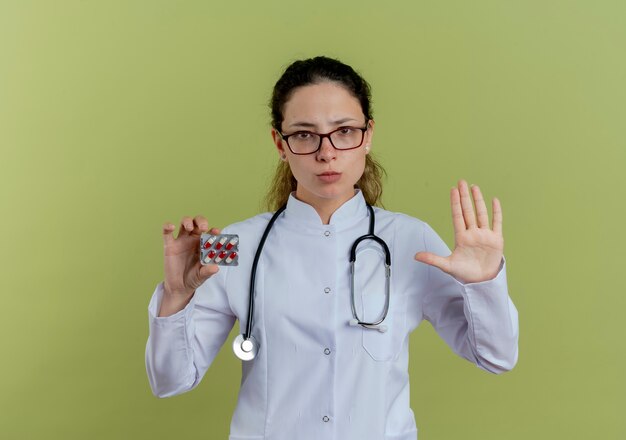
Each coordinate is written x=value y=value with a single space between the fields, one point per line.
x=245 y=349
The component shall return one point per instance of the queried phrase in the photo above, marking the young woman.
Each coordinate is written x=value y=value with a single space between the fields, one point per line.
x=320 y=360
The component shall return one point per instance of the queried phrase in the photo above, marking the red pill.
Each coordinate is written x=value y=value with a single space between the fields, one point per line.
x=207 y=258
x=220 y=243
x=220 y=257
x=209 y=242
x=232 y=243
x=231 y=257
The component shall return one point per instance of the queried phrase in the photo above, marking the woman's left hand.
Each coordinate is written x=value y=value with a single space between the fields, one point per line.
x=478 y=249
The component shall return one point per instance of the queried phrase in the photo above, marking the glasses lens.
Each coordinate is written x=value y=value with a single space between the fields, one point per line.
x=302 y=143
x=346 y=138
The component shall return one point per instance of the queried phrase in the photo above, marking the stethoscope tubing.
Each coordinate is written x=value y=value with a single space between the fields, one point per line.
x=257 y=256
x=244 y=345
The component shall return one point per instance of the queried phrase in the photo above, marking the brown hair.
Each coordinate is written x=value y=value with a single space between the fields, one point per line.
x=313 y=71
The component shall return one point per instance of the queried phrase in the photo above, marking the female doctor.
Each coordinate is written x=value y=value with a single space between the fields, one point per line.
x=320 y=362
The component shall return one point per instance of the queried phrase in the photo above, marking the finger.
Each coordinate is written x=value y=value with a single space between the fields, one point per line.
x=200 y=225
x=186 y=226
x=497 y=216
x=466 y=205
x=434 y=260
x=481 y=209
x=457 y=214
x=168 y=228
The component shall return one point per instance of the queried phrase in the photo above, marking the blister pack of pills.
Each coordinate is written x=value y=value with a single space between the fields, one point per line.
x=222 y=249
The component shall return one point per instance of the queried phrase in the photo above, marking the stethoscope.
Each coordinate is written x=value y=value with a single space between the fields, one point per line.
x=246 y=346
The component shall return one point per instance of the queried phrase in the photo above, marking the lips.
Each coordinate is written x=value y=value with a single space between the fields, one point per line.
x=329 y=176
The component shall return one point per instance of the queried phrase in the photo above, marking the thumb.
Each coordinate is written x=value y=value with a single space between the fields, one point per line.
x=208 y=270
x=433 y=260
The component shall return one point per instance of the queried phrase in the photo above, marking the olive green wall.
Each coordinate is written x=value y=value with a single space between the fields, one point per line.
x=117 y=116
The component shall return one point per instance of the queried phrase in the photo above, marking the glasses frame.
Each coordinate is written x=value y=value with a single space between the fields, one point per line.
x=286 y=137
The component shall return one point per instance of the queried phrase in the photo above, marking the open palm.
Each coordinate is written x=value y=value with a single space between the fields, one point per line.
x=478 y=249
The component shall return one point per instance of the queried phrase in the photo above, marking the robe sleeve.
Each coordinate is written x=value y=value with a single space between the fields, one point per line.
x=181 y=347
x=477 y=320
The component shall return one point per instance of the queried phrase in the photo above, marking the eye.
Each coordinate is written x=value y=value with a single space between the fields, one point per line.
x=302 y=135
x=346 y=131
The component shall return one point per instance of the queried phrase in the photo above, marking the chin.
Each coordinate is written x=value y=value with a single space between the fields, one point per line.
x=334 y=192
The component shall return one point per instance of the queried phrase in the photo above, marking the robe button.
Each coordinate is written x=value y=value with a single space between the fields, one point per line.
x=326 y=233
x=325 y=418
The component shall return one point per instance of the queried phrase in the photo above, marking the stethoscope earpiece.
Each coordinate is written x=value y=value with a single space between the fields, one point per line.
x=356 y=323
x=377 y=325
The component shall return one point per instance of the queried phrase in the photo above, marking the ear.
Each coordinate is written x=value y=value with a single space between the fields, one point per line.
x=278 y=142
x=368 y=137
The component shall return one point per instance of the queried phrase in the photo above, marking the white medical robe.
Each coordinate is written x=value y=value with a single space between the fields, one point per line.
x=315 y=376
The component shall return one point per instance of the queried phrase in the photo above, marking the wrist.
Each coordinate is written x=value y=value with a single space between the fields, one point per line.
x=172 y=303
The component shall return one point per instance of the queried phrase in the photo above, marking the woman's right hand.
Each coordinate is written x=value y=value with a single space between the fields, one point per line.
x=183 y=271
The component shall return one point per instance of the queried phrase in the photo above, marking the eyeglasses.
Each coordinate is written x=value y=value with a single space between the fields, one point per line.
x=308 y=142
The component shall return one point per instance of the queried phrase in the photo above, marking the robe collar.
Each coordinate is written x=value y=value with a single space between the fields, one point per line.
x=352 y=210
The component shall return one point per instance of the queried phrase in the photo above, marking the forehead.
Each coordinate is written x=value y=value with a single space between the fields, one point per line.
x=318 y=103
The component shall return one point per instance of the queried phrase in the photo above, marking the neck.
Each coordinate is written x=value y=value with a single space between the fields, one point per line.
x=324 y=207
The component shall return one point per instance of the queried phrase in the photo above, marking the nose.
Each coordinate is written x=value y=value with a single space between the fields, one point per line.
x=327 y=151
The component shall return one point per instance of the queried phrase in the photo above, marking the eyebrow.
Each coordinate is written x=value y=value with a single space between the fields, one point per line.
x=311 y=125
